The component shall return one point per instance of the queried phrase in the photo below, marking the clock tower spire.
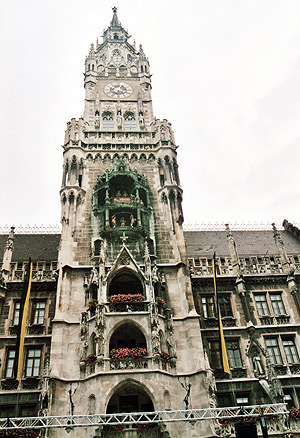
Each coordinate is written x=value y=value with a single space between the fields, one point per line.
x=124 y=282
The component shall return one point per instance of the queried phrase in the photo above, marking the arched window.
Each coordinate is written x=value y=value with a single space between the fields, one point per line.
x=130 y=398
x=127 y=335
x=107 y=120
x=111 y=70
x=130 y=124
x=123 y=71
x=125 y=283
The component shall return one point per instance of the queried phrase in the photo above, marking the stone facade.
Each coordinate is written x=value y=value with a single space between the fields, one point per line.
x=122 y=312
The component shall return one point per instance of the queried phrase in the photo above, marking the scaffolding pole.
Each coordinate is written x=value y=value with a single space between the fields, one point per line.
x=67 y=421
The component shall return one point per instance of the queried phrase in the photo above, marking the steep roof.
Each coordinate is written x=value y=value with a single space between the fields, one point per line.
x=204 y=243
x=43 y=247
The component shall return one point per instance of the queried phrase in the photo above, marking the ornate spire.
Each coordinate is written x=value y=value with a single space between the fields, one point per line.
x=115 y=21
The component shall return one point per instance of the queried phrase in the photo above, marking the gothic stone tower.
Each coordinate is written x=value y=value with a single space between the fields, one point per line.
x=125 y=332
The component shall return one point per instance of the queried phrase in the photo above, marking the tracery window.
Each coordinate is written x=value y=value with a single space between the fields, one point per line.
x=107 y=121
x=130 y=123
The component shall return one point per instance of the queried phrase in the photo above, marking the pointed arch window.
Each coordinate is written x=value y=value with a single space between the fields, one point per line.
x=107 y=120
x=130 y=123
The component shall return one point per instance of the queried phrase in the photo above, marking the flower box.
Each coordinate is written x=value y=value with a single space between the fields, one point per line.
x=164 y=355
x=92 y=304
x=295 y=414
x=160 y=302
x=127 y=353
x=90 y=358
x=20 y=433
x=116 y=428
x=125 y=298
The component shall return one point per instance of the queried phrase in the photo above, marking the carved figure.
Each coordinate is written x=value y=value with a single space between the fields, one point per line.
x=114 y=221
x=100 y=316
x=257 y=366
x=122 y=222
x=100 y=344
x=155 y=341
x=141 y=120
x=171 y=344
x=155 y=277
x=83 y=326
x=132 y=220
x=118 y=194
x=169 y=320
x=154 y=315
x=119 y=119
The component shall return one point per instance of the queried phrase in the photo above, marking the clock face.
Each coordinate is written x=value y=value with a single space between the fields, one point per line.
x=118 y=89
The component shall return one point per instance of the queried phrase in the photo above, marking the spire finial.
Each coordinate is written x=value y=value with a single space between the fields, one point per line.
x=115 y=21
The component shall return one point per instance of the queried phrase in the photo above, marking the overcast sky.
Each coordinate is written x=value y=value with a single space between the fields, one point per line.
x=226 y=74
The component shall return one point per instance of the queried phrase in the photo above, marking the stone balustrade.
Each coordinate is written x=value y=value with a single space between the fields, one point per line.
x=254 y=265
x=42 y=271
x=148 y=363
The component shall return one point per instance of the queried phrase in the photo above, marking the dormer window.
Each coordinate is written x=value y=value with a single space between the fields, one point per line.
x=107 y=120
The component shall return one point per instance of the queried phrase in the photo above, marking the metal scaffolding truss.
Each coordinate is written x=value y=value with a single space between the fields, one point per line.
x=68 y=421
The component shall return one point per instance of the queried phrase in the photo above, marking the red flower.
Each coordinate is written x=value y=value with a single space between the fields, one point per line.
x=164 y=355
x=160 y=301
x=92 y=304
x=116 y=428
x=125 y=298
x=90 y=358
x=127 y=353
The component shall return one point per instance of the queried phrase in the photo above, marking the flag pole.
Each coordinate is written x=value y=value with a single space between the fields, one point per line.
x=223 y=352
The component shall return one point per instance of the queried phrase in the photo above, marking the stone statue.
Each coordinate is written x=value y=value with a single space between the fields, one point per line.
x=100 y=344
x=154 y=315
x=257 y=366
x=171 y=344
x=100 y=316
x=155 y=341
x=169 y=320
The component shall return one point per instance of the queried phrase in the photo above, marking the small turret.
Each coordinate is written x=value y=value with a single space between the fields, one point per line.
x=7 y=256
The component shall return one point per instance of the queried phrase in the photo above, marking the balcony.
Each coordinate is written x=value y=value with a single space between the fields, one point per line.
x=128 y=307
x=129 y=364
x=148 y=363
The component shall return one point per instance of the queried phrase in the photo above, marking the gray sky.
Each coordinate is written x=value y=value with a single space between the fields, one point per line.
x=226 y=74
